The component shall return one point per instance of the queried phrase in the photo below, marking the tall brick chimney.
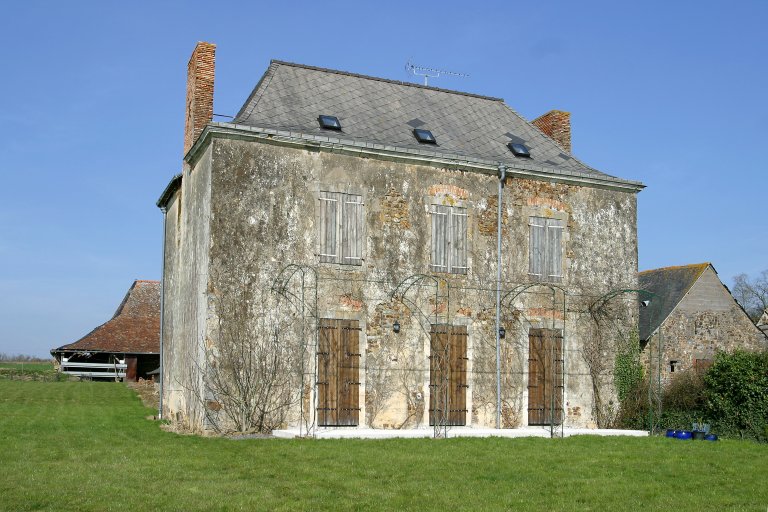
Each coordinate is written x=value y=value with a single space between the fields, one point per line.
x=556 y=124
x=200 y=71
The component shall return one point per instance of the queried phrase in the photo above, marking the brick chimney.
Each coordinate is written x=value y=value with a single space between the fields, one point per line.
x=200 y=71
x=556 y=124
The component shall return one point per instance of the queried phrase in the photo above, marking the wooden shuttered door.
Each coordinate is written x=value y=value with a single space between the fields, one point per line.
x=341 y=228
x=449 y=239
x=545 y=377
x=545 y=257
x=448 y=375
x=338 y=373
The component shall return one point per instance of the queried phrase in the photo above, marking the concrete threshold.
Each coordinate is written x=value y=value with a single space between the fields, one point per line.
x=416 y=433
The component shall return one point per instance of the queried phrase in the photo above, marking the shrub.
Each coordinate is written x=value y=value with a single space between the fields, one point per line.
x=684 y=401
x=737 y=395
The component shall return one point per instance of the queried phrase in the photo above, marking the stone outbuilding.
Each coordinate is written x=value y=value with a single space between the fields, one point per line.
x=126 y=347
x=346 y=228
x=762 y=323
x=696 y=317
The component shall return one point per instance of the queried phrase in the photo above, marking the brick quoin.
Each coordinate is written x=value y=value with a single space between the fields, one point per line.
x=556 y=124
x=199 y=108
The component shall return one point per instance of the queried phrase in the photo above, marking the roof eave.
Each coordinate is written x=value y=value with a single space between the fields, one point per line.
x=294 y=138
x=169 y=190
x=61 y=350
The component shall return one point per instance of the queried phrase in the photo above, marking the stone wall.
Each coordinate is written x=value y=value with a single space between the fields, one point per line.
x=185 y=280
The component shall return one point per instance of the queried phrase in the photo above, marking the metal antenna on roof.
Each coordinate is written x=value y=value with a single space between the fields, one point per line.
x=428 y=73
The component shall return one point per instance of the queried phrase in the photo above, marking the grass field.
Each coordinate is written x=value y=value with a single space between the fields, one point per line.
x=87 y=446
x=28 y=367
x=30 y=371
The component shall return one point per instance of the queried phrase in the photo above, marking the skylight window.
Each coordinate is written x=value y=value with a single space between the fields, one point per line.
x=424 y=136
x=519 y=150
x=329 y=122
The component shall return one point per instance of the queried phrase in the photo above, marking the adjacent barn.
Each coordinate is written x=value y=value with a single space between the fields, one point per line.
x=127 y=347
x=698 y=317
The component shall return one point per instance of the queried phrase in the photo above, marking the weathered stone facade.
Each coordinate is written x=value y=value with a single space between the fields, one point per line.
x=257 y=204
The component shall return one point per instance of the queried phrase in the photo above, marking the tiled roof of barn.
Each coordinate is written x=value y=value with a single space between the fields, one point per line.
x=134 y=328
x=290 y=97
x=669 y=284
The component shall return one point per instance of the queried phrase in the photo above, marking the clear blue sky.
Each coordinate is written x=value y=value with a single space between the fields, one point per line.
x=92 y=111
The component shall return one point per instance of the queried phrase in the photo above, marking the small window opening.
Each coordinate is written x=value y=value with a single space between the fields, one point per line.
x=674 y=365
x=424 y=136
x=329 y=122
x=519 y=150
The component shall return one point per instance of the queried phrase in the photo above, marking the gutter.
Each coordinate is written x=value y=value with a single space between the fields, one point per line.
x=411 y=155
x=162 y=312
x=502 y=177
x=172 y=187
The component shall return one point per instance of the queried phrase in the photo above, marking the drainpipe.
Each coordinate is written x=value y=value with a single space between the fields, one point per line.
x=502 y=176
x=162 y=311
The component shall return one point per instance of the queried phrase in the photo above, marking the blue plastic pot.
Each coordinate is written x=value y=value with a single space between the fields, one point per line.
x=671 y=432
x=710 y=437
x=683 y=434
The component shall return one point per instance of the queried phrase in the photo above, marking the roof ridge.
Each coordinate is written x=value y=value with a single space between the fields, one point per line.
x=676 y=267
x=386 y=80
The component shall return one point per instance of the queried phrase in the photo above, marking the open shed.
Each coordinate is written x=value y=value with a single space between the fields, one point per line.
x=127 y=347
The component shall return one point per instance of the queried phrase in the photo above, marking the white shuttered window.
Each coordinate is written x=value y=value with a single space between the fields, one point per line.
x=449 y=239
x=545 y=249
x=341 y=228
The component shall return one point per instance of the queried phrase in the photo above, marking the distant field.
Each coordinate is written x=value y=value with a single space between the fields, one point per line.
x=28 y=367
x=87 y=446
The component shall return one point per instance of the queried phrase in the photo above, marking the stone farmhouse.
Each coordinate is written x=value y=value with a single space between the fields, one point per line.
x=429 y=256
x=697 y=318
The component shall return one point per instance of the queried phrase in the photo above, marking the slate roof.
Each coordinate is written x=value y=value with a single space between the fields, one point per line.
x=669 y=284
x=290 y=97
x=134 y=328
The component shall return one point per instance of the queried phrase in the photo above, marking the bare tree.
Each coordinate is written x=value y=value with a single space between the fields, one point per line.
x=252 y=371
x=752 y=293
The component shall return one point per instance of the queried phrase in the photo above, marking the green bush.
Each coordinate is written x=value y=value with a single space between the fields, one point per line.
x=684 y=401
x=732 y=396
x=633 y=409
x=737 y=395
x=628 y=371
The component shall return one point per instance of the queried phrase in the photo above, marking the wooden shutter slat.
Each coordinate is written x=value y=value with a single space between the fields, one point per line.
x=351 y=230
x=553 y=256
x=545 y=377
x=536 y=247
x=338 y=372
x=447 y=380
x=440 y=220
x=458 y=260
x=329 y=213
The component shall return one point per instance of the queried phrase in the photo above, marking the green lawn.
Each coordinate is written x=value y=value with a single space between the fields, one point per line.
x=88 y=446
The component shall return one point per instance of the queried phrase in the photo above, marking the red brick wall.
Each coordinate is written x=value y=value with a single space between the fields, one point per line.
x=557 y=125
x=199 y=110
